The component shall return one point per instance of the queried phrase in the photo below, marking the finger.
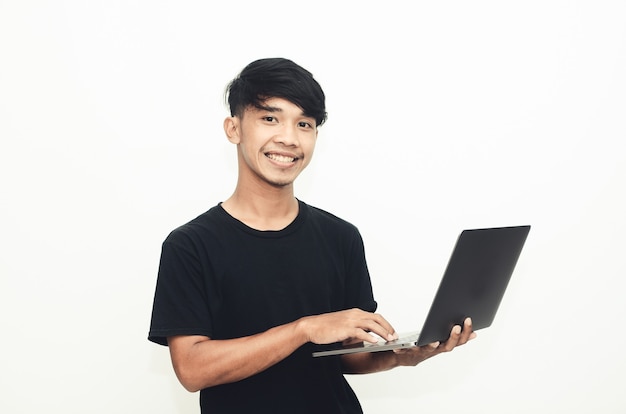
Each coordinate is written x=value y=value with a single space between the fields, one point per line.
x=453 y=340
x=383 y=328
x=373 y=326
x=372 y=322
x=467 y=332
x=434 y=345
x=429 y=350
x=364 y=336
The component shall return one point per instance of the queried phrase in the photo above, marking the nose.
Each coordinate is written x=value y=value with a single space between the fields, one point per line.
x=288 y=136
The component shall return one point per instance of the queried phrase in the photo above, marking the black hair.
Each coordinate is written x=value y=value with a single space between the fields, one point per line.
x=276 y=78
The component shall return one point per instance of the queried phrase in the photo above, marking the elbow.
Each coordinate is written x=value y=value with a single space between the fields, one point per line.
x=194 y=379
x=190 y=371
x=189 y=383
x=188 y=379
x=190 y=387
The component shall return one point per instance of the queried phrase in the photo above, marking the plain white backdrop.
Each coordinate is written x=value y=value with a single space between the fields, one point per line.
x=442 y=116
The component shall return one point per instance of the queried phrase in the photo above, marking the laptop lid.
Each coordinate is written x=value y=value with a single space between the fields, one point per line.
x=473 y=285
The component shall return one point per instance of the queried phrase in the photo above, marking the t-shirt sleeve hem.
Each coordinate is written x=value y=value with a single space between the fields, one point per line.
x=160 y=336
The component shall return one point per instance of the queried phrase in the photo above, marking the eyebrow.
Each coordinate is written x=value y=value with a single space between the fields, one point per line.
x=269 y=108
x=277 y=109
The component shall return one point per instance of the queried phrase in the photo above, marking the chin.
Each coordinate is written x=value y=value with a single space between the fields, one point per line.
x=280 y=181
x=280 y=184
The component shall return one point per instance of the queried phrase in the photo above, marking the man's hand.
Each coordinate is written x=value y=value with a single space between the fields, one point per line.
x=352 y=325
x=458 y=337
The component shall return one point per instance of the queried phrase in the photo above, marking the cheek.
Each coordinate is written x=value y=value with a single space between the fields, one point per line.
x=246 y=154
x=310 y=150
x=311 y=146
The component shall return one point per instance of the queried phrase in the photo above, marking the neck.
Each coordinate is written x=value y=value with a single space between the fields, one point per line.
x=263 y=208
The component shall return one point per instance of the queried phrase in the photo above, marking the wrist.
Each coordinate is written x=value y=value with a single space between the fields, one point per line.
x=301 y=330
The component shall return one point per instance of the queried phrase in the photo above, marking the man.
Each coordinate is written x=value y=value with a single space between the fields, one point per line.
x=247 y=290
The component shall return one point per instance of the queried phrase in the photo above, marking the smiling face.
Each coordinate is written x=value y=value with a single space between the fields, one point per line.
x=275 y=142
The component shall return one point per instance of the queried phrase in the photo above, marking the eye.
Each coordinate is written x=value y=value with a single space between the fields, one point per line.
x=269 y=118
x=303 y=124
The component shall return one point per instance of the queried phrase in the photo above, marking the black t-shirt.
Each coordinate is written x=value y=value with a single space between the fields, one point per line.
x=222 y=279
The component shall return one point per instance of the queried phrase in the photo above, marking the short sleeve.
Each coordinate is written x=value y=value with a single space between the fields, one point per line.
x=359 y=293
x=180 y=301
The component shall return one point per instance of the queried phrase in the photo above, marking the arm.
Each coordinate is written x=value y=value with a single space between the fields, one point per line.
x=369 y=362
x=201 y=362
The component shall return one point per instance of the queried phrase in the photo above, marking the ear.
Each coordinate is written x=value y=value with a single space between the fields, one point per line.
x=232 y=128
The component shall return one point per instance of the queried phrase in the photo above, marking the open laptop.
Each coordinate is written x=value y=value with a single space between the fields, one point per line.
x=473 y=285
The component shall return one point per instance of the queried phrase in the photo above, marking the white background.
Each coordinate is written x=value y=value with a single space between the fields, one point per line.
x=443 y=116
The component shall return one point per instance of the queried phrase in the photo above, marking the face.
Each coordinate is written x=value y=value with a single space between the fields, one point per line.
x=274 y=144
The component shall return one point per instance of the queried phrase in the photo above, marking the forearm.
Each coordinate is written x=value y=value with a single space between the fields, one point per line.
x=207 y=363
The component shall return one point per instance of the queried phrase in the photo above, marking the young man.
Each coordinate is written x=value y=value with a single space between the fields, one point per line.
x=247 y=290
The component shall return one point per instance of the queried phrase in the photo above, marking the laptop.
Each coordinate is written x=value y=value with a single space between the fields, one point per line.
x=473 y=285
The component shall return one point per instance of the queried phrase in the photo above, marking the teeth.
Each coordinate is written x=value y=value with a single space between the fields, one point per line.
x=280 y=158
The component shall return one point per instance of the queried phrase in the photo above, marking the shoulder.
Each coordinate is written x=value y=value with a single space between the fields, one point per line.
x=329 y=221
x=207 y=225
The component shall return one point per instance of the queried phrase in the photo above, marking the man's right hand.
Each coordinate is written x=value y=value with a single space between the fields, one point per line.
x=352 y=325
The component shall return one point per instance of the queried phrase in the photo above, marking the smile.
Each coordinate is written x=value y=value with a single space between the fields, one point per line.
x=280 y=158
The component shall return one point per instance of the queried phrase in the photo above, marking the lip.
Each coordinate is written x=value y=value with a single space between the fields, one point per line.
x=281 y=158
